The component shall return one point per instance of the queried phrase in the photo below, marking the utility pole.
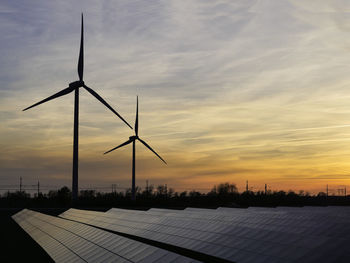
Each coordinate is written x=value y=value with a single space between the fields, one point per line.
x=166 y=191
x=246 y=186
x=20 y=184
x=327 y=191
x=345 y=191
x=265 y=189
x=38 y=188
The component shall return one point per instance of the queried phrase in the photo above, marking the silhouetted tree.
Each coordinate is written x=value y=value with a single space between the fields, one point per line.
x=170 y=192
x=147 y=192
x=321 y=194
x=52 y=194
x=194 y=193
x=183 y=194
x=161 y=190
x=226 y=189
x=88 y=194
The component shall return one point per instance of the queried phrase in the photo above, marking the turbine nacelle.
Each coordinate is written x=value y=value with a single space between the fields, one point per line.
x=133 y=138
x=76 y=84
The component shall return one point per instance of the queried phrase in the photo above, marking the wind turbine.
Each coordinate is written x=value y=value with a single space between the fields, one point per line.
x=74 y=86
x=132 y=139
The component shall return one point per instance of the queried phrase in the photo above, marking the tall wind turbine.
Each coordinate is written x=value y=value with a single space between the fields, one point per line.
x=132 y=139
x=74 y=86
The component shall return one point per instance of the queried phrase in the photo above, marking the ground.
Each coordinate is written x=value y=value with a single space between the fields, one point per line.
x=16 y=245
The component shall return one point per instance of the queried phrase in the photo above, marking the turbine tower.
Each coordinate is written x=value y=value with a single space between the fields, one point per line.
x=74 y=86
x=132 y=139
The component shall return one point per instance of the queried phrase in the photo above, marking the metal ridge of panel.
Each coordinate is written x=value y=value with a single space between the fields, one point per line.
x=230 y=242
x=68 y=241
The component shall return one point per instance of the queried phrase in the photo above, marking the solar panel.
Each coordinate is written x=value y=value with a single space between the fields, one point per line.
x=319 y=226
x=321 y=221
x=324 y=223
x=57 y=251
x=205 y=231
x=68 y=241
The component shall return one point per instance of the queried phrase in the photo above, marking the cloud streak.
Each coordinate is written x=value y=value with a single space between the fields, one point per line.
x=223 y=85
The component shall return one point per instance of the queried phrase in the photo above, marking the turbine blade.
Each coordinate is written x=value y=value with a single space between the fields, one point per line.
x=58 y=94
x=81 y=53
x=92 y=92
x=123 y=144
x=149 y=147
x=137 y=116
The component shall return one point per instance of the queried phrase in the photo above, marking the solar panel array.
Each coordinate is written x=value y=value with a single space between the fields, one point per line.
x=321 y=222
x=240 y=235
x=68 y=241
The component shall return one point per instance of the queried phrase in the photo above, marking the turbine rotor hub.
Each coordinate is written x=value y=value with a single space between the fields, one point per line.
x=133 y=138
x=77 y=84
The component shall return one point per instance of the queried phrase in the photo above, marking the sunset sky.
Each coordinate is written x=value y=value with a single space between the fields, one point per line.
x=229 y=91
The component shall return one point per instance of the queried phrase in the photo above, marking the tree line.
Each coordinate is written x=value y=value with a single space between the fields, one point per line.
x=224 y=194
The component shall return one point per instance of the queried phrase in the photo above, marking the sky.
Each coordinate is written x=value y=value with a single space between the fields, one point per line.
x=229 y=91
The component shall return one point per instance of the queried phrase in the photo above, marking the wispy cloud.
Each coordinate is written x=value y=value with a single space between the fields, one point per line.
x=229 y=84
